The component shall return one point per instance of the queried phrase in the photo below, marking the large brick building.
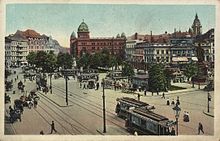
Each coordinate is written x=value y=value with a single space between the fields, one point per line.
x=83 y=43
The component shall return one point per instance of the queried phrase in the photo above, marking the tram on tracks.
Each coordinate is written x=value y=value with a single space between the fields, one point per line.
x=140 y=117
x=125 y=103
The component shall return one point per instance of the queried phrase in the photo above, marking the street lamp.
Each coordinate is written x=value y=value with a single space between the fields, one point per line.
x=209 y=99
x=177 y=110
x=103 y=97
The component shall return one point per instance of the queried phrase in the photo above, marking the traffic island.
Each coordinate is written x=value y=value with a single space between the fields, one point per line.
x=208 y=114
x=112 y=130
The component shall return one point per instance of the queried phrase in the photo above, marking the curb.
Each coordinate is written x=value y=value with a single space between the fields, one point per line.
x=100 y=132
x=208 y=114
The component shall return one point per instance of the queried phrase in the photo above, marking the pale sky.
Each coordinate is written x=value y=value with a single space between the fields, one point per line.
x=105 y=20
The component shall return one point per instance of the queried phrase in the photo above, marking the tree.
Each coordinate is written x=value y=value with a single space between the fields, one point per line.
x=51 y=62
x=31 y=58
x=64 y=60
x=83 y=61
x=41 y=60
x=169 y=76
x=127 y=70
x=157 y=79
x=113 y=62
x=191 y=70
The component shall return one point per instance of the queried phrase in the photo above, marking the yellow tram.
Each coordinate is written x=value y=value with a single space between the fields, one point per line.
x=140 y=118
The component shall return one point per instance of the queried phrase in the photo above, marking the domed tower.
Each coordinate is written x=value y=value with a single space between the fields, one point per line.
x=83 y=31
x=73 y=44
x=196 y=27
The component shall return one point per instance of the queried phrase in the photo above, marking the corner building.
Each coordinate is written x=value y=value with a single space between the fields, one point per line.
x=84 y=44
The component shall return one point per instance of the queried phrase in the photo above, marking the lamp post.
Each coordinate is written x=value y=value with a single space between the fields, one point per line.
x=209 y=99
x=50 y=83
x=103 y=97
x=177 y=110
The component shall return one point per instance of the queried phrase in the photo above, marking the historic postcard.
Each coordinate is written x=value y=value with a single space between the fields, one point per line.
x=121 y=70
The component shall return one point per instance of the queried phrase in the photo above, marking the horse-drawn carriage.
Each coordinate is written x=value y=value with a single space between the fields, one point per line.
x=91 y=83
x=14 y=115
x=8 y=85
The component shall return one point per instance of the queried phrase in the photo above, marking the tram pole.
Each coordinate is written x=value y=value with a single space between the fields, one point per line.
x=66 y=90
x=50 y=83
x=103 y=97
x=208 y=101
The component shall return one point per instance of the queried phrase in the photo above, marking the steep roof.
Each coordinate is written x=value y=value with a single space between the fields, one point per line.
x=31 y=33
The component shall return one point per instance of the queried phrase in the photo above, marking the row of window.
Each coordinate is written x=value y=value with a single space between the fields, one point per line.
x=101 y=43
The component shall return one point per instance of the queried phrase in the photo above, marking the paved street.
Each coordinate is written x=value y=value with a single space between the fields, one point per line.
x=83 y=115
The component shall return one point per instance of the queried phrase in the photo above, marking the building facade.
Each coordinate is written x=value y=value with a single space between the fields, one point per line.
x=16 y=50
x=18 y=46
x=83 y=43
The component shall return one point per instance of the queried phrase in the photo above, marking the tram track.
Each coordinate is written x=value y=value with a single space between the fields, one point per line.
x=64 y=113
x=93 y=110
x=85 y=101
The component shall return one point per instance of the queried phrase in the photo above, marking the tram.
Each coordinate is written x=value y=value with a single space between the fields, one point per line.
x=125 y=103
x=140 y=117
x=146 y=122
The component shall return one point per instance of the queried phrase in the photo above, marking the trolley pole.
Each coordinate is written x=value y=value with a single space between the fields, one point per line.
x=66 y=90
x=103 y=97
x=50 y=83
x=176 y=125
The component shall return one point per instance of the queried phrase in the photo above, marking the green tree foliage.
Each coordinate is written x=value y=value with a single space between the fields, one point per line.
x=41 y=60
x=64 y=60
x=51 y=62
x=127 y=70
x=157 y=79
x=169 y=76
x=191 y=70
x=31 y=58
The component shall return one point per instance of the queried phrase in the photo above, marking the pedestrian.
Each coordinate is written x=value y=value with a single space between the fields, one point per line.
x=135 y=133
x=168 y=101
x=52 y=128
x=163 y=95
x=200 y=128
x=145 y=92
x=178 y=100
x=35 y=103
x=172 y=133
x=139 y=97
x=84 y=85
x=42 y=132
x=173 y=103
x=97 y=85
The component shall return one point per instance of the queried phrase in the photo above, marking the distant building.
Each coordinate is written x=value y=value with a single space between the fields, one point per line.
x=18 y=46
x=196 y=27
x=16 y=50
x=83 y=43
x=130 y=49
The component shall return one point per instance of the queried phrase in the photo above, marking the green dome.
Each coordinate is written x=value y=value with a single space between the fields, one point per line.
x=83 y=27
x=73 y=35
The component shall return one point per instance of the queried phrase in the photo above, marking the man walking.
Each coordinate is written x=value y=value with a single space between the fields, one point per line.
x=200 y=128
x=97 y=85
x=53 y=128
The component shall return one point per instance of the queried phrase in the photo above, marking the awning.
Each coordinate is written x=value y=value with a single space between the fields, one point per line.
x=194 y=58
x=180 y=59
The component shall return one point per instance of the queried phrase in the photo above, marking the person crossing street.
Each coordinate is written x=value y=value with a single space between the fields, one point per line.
x=52 y=128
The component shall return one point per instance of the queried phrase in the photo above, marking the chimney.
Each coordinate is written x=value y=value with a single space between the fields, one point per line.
x=151 y=37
